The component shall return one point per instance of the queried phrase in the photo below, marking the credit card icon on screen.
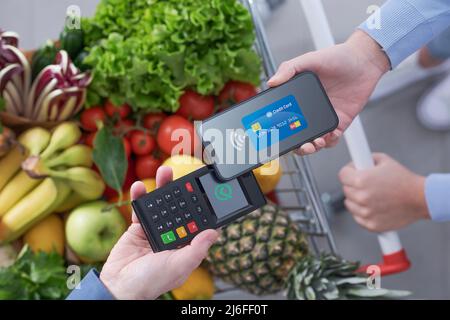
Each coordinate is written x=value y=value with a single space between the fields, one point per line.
x=283 y=116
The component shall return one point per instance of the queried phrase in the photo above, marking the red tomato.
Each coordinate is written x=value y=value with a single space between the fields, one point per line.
x=235 y=92
x=186 y=131
x=146 y=166
x=124 y=126
x=153 y=120
x=89 y=140
x=127 y=146
x=195 y=106
x=90 y=117
x=142 y=142
x=122 y=111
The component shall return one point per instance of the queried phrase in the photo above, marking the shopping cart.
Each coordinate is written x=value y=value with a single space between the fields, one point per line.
x=298 y=193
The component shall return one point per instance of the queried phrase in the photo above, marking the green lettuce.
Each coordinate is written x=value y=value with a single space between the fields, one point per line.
x=147 y=52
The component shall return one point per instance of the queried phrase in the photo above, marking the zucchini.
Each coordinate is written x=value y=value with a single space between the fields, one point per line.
x=72 y=41
x=43 y=57
x=79 y=61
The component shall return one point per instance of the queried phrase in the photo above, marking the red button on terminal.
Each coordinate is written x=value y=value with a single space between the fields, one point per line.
x=188 y=186
x=192 y=227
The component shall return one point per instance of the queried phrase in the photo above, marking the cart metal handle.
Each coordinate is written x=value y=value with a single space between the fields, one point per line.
x=395 y=259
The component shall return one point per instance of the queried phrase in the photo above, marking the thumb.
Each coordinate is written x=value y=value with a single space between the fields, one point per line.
x=192 y=255
x=379 y=157
x=288 y=69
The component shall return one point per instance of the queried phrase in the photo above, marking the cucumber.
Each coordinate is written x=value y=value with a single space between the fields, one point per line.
x=79 y=61
x=43 y=57
x=72 y=41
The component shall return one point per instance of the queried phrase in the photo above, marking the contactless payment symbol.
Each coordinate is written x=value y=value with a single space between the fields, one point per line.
x=223 y=192
x=237 y=140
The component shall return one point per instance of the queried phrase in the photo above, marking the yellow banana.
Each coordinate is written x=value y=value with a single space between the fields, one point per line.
x=35 y=206
x=72 y=201
x=35 y=140
x=64 y=192
x=77 y=155
x=84 y=181
x=10 y=164
x=15 y=190
x=64 y=135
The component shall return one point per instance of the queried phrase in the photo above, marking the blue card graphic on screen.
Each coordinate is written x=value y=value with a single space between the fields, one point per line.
x=283 y=115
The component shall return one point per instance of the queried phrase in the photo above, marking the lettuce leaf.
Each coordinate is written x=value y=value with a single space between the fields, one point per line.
x=147 y=52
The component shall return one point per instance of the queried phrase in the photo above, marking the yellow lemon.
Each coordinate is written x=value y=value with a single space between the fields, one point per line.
x=199 y=286
x=47 y=235
x=268 y=175
x=150 y=184
x=183 y=165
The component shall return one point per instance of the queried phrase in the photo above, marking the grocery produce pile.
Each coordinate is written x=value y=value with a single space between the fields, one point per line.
x=83 y=117
x=145 y=53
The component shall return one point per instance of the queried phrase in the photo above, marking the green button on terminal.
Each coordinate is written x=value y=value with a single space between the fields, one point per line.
x=168 y=237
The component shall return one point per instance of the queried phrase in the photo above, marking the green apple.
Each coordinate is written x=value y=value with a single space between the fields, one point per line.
x=92 y=232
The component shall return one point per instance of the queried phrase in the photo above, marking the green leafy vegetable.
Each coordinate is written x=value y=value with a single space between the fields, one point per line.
x=146 y=52
x=109 y=156
x=34 y=276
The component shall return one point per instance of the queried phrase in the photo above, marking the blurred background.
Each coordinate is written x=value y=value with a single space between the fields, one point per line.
x=389 y=120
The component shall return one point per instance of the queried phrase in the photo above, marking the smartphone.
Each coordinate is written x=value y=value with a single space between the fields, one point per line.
x=266 y=126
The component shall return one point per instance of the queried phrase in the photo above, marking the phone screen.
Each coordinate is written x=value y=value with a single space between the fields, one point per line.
x=282 y=116
x=268 y=125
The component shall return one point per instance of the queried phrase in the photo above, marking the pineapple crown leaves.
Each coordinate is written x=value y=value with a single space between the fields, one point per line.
x=329 y=277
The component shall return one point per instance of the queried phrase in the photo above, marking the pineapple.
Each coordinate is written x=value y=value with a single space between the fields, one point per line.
x=257 y=252
x=265 y=252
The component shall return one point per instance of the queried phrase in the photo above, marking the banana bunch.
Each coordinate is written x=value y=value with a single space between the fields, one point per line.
x=45 y=172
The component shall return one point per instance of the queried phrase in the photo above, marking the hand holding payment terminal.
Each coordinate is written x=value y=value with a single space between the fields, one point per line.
x=284 y=117
x=175 y=213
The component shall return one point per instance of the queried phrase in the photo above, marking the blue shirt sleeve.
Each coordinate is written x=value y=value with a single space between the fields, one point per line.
x=407 y=25
x=90 y=288
x=439 y=47
x=437 y=194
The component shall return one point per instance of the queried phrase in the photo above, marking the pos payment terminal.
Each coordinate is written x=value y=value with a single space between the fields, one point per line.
x=236 y=141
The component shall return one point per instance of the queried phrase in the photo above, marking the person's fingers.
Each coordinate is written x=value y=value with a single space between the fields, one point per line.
x=285 y=71
x=355 y=209
x=332 y=139
x=307 y=148
x=137 y=190
x=164 y=175
x=347 y=175
x=319 y=144
x=363 y=223
x=349 y=192
x=326 y=141
x=379 y=157
x=136 y=237
x=190 y=256
x=290 y=68
x=357 y=196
